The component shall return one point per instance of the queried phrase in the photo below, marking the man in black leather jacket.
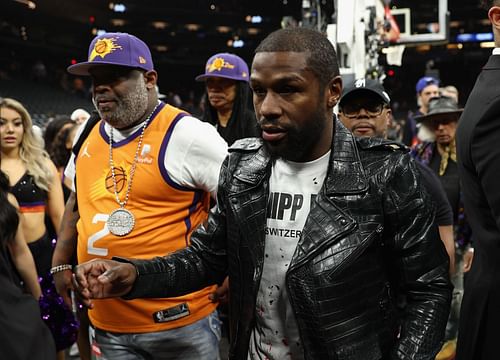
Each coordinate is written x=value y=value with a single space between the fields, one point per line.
x=318 y=231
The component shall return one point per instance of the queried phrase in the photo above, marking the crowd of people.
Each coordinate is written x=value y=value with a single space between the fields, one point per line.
x=290 y=208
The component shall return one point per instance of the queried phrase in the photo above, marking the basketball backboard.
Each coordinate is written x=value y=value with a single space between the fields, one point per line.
x=421 y=22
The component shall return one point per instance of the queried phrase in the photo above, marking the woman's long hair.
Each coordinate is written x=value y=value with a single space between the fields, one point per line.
x=31 y=150
x=53 y=128
x=58 y=151
x=242 y=122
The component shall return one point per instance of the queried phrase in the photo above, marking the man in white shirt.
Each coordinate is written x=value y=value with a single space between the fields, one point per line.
x=315 y=229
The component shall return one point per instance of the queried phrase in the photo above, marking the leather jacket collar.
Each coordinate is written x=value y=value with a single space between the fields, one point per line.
x=345 y=174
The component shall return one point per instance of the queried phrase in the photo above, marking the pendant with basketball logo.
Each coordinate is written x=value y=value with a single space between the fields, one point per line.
x=121 y=221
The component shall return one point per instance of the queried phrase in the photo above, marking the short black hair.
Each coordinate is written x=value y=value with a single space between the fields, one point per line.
x=487 y=4
x=322 y=58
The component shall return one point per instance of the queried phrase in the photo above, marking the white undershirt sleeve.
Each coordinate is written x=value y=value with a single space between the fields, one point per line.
x=195 y=154
x=70 y=170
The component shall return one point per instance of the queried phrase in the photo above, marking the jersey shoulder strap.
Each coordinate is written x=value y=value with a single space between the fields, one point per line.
x=89 y=125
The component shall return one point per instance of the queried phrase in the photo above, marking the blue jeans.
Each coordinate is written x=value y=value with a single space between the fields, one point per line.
x=199 y=340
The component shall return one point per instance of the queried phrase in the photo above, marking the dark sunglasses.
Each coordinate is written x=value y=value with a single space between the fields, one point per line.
x=372 y=108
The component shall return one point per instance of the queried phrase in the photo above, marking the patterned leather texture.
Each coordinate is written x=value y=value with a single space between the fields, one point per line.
x=369 y=237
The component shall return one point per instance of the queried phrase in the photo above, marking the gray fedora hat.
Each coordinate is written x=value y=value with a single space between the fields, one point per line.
x=440 y=107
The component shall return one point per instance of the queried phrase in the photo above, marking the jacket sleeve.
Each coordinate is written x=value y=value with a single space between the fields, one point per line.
x=201 y=264
x=419 y=261
x=485 y=154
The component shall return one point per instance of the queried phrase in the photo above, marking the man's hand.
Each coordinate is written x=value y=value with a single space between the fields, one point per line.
x=100 y=278
x=221 y=294
x=468 y=256
x=64 y=285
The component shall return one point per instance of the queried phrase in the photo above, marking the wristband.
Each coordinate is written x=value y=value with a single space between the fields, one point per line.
x=60 y=268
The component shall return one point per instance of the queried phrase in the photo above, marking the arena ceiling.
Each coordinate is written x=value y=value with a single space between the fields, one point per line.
x=180 y=33
x=186 y=31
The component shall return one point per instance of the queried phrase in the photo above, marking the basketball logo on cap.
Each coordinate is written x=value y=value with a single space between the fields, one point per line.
x=103 y=47
x=218 y=64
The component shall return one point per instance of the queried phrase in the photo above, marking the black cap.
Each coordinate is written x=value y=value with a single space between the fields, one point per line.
x=367 y=85
x=440 y=106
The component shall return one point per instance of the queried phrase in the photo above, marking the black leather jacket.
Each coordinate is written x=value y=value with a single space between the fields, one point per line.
x=369 y=236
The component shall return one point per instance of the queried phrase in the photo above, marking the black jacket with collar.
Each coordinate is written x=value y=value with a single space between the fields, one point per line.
x=369 y=236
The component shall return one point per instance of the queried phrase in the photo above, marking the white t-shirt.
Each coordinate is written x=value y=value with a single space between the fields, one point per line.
x=193 y=158
x=293 y=188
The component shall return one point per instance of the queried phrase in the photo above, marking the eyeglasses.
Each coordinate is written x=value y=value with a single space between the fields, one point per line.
x=372 y=108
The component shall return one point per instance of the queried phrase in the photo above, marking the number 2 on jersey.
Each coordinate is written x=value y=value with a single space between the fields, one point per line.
x=91 y=249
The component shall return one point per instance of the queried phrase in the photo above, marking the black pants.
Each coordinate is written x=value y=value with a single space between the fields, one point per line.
x=42 y=251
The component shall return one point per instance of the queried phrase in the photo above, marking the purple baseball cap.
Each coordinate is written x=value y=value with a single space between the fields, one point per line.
x=227 y=66
x=425 y=81
x=115 y=49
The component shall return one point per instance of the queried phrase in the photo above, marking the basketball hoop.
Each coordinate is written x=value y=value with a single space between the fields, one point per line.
x=391 y=27
x=394 y=54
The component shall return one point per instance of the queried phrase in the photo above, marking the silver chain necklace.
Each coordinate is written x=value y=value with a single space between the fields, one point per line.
x=121 y=221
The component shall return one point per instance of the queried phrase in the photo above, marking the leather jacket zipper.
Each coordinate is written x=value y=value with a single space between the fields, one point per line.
x=359 y=249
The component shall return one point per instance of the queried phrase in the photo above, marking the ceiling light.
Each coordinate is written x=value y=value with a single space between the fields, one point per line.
x=117 y=22
x=256 y=19
x=456 y=24
x=423 y=48
x=193 y=27
x=474 y=37
x=161 y=48
x=223 y=29
x=159 y=25
x=119 y=8
x=238 y=43
x=30 y=4
x=98 y=32
x=487 y=44
x=253 y=31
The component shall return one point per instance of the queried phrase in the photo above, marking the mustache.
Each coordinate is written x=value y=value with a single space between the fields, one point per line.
x=264 y=121
x=271 y=126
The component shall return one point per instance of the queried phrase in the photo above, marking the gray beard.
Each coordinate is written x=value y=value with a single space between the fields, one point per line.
x=130 y=108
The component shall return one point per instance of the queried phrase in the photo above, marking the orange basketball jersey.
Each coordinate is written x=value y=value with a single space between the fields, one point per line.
x=165 y=215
